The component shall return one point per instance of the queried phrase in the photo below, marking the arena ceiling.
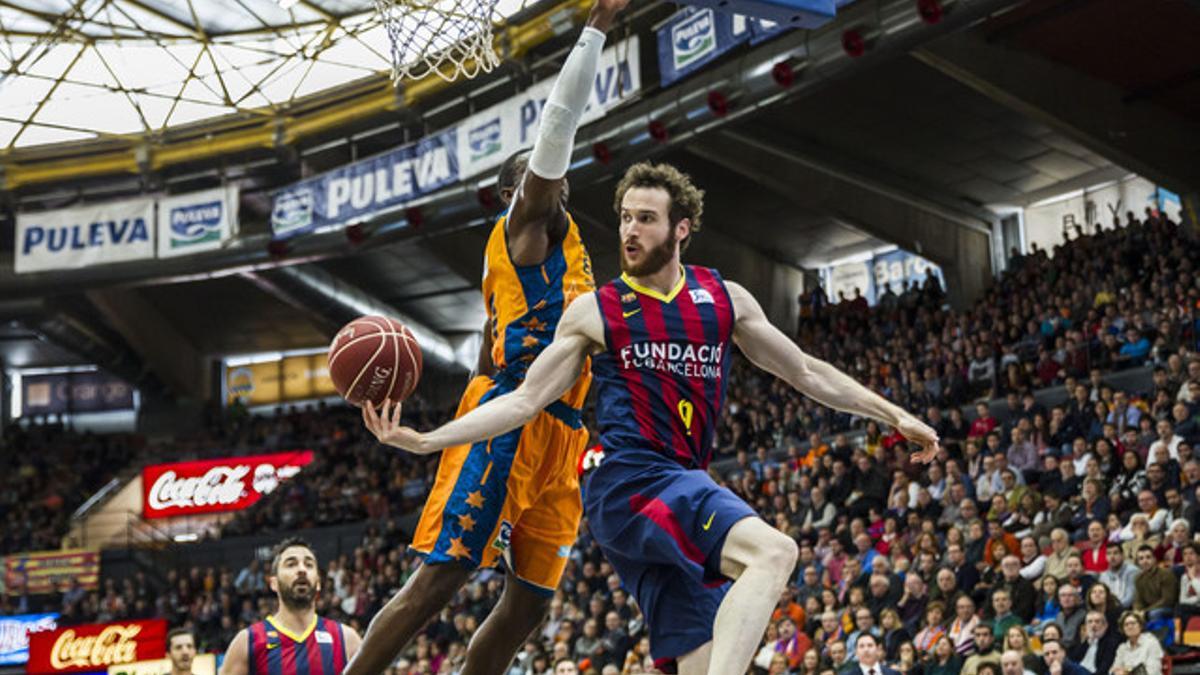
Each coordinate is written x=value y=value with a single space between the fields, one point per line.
x=903 y=125
x=73 y=70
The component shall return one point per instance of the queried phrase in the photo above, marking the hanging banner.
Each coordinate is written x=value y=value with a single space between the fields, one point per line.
x=356 y=191
x=15 y=632
x=486 y=138
x=899 y=269
x=694 y=37
x=59 y=393
x=202 y=664
x=209 y=486
x=49 y=571
x=94 y=647
x=89 y=235
x=292 y=378
x=195 y=222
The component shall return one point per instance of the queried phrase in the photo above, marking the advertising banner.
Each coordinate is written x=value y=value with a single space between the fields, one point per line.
x=209 y=486
x=15 y=632
x=202 y=664
x=196 y=222
x=58 y=393
x=47 y=571
x=900 y=268
x=92 y=647
x=693 y=37
x=96 y=234
x=486 y=138
x=292 y=378
x=356 y=191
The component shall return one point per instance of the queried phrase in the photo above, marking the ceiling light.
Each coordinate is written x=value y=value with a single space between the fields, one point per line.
x=287 y=4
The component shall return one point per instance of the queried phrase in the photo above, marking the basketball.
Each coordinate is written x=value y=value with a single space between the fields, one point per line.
x=374 y=358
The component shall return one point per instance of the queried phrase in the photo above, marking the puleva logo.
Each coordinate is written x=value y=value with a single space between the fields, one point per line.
x=196 y=223
x=484 y=140
x=293 y=211
x=694 y=38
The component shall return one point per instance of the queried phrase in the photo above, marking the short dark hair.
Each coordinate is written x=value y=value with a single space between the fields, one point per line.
x=512 y=170
x=1146 y=547
x=687 y=200
x=176 y=632
x=277 y=552
x=866 y=635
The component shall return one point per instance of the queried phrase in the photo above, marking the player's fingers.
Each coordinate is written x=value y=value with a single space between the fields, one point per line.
x=396 y=415
x=384 y=417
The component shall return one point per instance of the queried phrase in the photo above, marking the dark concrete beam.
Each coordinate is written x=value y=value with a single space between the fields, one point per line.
x=162 y=348
x=959 y=243
x=1139 y=136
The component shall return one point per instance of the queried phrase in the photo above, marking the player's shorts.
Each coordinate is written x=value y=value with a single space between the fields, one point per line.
x=516 y=495
x=662 y=527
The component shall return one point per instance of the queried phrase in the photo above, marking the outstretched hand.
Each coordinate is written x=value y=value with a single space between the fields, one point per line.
x=922 y=434
x=604 y=12
x=386 y=426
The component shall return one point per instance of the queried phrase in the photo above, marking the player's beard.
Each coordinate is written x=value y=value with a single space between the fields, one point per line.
x=298 y=599
x=653 y=260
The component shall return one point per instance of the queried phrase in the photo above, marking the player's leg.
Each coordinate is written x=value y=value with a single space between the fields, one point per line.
x=398 y=622
x=519 y=612
x=760 y=559
x=696 y=661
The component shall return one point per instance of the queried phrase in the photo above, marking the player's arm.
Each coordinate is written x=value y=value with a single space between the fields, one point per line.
x=237 y=657
x=549 y=377
x=537 y=205
x=774 y=352
x=353 y=641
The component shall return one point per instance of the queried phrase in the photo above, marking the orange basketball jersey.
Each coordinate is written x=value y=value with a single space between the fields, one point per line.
x=526 y=303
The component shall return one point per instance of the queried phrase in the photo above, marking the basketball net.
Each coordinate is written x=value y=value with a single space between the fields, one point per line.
x=452 y=38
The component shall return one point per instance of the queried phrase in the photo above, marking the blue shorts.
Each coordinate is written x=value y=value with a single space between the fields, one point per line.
x=662 y=527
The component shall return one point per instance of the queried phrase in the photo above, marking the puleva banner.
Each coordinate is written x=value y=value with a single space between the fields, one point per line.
x=486 y=138
x=14 y=635
x=196 y=222
x=89 y=235
x=357 y=190
x=94 y=647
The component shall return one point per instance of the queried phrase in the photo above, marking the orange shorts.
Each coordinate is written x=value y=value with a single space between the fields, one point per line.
x=516 y=495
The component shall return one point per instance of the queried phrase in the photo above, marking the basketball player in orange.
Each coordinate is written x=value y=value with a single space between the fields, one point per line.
x=516 y=495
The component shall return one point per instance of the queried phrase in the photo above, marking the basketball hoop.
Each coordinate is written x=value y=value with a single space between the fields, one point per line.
x=452 y=38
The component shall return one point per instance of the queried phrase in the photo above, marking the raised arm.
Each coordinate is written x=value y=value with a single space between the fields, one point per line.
x=774 y=352
x=549 y=377
x=537 y=208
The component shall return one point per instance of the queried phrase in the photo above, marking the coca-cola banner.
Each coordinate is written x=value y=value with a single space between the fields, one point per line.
x=41 y=572
x=92 y=647
x=231 y=484
x=15 y=632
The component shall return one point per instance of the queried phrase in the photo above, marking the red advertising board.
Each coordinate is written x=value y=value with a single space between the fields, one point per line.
x=92 y=647
x=230 y=484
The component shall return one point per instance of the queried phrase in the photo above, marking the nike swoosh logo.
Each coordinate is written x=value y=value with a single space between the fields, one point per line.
x=273 y=646
x=710 y=519
x=631 y=312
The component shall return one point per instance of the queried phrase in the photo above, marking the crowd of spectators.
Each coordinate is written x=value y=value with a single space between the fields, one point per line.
x=1051 y=533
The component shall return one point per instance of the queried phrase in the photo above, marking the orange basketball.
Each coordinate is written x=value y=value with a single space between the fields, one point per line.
x=374 y=358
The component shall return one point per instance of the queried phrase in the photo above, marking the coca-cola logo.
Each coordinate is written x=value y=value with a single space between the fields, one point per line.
x=221 y=485
x=114 y=644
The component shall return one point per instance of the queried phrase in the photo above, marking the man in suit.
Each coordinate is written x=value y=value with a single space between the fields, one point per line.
x=1057 y=662
x=869 y=654
x=1097 y=646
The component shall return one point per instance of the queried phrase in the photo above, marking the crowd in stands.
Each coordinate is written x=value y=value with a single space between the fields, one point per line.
x=1052 y=534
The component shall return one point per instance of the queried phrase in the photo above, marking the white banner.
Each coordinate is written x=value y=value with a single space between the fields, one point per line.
x=202 y=664
x=89 y=235
x=486 y=138
x=195 y=222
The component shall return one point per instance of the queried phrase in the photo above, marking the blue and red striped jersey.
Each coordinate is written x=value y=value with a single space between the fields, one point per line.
x=274 y=650
x=661 y=380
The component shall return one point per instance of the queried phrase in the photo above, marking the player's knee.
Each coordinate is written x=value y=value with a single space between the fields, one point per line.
x=779 y=551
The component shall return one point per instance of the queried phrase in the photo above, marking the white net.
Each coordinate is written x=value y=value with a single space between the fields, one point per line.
x=451 y=38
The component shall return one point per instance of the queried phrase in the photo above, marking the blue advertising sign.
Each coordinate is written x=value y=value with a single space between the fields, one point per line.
x=694 y=37
x=361 y=189
x=14 y=635
x=59 y=393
